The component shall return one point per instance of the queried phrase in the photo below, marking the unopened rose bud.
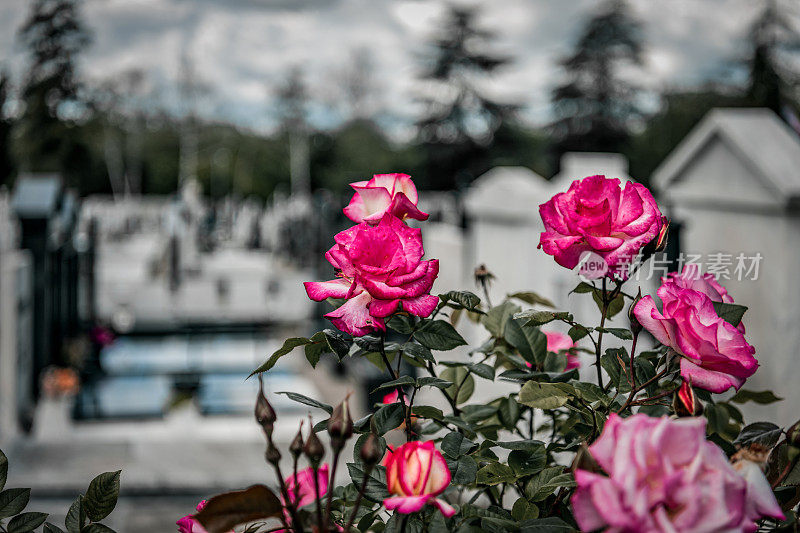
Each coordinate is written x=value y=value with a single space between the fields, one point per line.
x=636 y=327
x=685 y=403
x=265 y=414
x=296 y=447
x=340 y=425
x=273 y=455
x=371 y=452
x=482 y=275
x=313 y=448
x=659 y=243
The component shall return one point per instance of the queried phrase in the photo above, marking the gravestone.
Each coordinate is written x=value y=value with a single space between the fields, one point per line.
x=734 y=183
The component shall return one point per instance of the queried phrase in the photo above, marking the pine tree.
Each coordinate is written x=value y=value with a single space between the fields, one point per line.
x=594 y=108
x=772 y=36
x=461 y=120
x=54 y=36
x=6 y=125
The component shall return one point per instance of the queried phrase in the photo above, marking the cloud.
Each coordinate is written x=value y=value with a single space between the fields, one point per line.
x=241 y=48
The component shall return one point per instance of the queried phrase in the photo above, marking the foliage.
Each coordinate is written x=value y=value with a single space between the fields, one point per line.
x=84 y=515
x=596 y=104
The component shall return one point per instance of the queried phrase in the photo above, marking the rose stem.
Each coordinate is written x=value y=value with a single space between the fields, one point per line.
x=360 y=496
x=317 y=492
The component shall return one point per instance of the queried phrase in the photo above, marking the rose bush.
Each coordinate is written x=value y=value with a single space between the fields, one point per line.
x=646 y=446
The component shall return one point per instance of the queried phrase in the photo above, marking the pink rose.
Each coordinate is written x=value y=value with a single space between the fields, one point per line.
x=597 y=215
x=384 y=193
x=416 y=473
x=663 y=475
x=556 y=342
x=691 y=278
x=380 y=271
x=188 y=524
x=302 y=491
x=716 y=355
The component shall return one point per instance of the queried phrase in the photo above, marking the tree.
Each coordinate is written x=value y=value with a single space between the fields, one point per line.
x=6 y=125
x=54 y=36
x=461 y=120
x=772 y=35
x=292 y=110
x=595 y=107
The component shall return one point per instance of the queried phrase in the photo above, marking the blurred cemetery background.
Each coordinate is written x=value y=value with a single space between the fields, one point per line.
x=170 y=172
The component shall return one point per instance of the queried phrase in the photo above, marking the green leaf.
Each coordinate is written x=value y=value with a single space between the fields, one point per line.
x=764 y=433
x=13 y=501
x=525 y=463
x=730 y=313
x=76 y=517
x=97 y=528
x=418 y=352
x=462 y=381
x=439 y=335
x=288 y=346
x=545 y=395
x=454 y=445
x=318 y=346
x=508 y=412
x=546 y=525
x=524 y=510
x=495 y=473
x=305 y=400
x=614 y=306
x=620 y=333
x=577 y=332
x=387 y=418
x=22 y=523
x=401 y=324
x=530 y=446
x=400 y=382
x=427 y=411
x=430 y=381
x=540 y=318
x=50 y=528
x=226 y=511
x=376 y=483
x=337 y=342
x=532 y=298
x=763 y=397
x=546 y=482
x=583 y=288
x=528 y=340
x=3 y=469
x=482 y=370
x=101 y=496
x=478 y=413
x=495 y=320
x=462 y=300
x=464 y=470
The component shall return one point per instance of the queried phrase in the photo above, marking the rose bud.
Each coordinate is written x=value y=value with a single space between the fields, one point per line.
x=482 y=275
x=685 y=403
x=584 y=460
x=313 y=448
x=265 y=414
x=340 y=425
x=273 y=455
x=296 y=447
x=793 y=435
x=659 y=243
x=636 y=327
x=370 y=452
x=416 y=473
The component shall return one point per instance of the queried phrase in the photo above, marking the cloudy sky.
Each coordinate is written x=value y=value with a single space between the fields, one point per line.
x=240 y=48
